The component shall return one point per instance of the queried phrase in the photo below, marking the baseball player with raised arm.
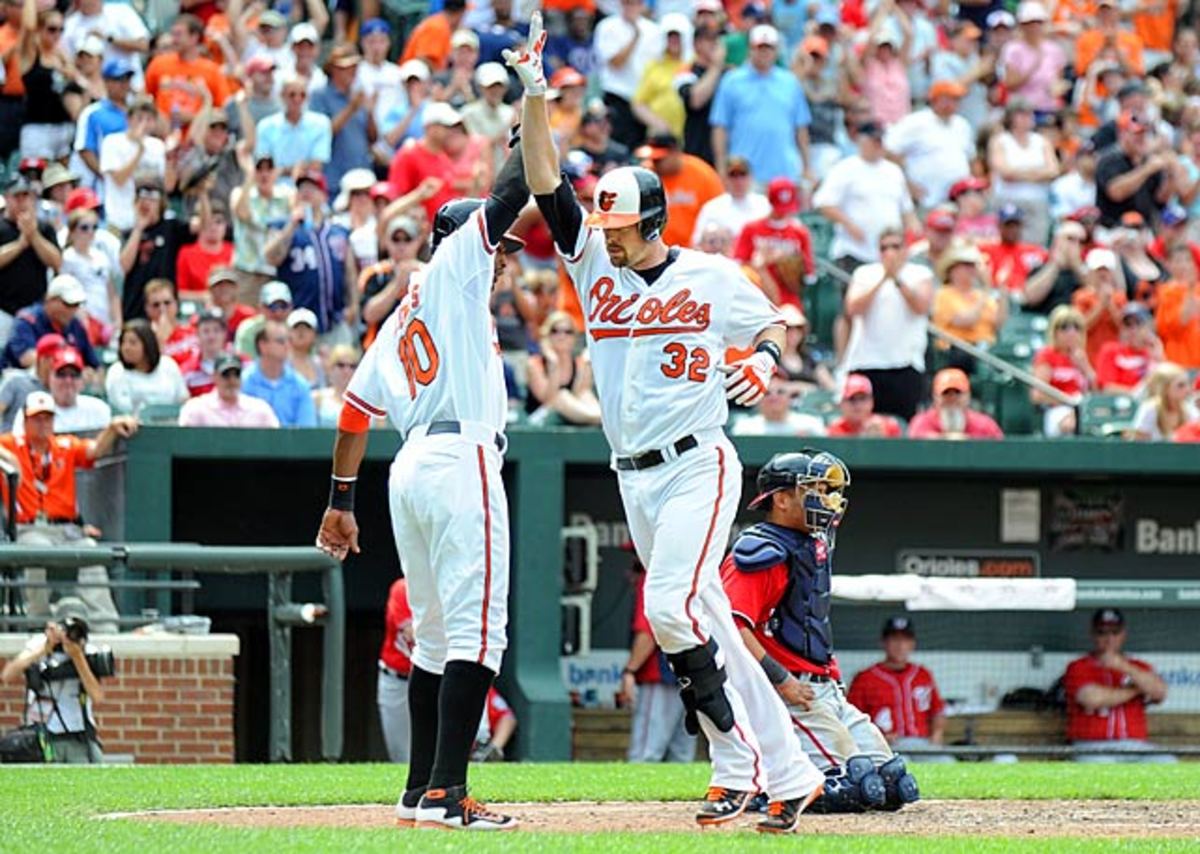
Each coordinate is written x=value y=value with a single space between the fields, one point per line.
x=779 y=579
x=659 y=320
x=435 y=371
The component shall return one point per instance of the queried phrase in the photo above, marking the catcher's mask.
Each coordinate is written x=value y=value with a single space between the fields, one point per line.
x=819 y=476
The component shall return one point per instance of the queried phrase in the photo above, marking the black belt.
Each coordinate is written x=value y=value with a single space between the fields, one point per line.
x=383 y=668
x=650 y=459
x=813 y=677
x=437 y=427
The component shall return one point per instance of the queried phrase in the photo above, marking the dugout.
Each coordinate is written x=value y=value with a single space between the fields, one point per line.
x=1090 y=509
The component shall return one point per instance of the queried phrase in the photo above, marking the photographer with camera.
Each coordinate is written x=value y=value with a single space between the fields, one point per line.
x=62 y=673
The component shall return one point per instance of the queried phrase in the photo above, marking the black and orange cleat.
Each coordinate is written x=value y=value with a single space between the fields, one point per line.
x=721 y=805
x=454 y=809
x=784 y=816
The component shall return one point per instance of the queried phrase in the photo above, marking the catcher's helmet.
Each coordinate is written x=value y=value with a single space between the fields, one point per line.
x=821 y=476
x=450 y=217
x=630 y=195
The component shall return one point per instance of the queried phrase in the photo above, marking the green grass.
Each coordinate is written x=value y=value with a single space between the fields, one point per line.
x=53 y=805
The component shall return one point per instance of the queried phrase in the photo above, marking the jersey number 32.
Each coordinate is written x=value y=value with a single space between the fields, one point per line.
x=680 y=361
x=418 y=355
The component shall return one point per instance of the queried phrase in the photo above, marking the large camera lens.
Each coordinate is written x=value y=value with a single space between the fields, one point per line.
x=76 y=629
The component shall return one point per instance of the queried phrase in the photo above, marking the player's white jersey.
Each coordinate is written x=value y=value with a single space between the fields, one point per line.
x=655 y=348
x=437 y=358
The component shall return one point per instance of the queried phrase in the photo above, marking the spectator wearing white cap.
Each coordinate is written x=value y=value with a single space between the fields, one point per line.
x=488 y=116
x=305 y=41
x=270 y=36
x=302 y=347
x=57 y=313
x=456 y=85
x=355 y=211
x=761 y=113
x=406 y=119
x=934 y=145
x=298 y=136
x=88 y=85
x=429 y=157
x=274 y=303
x=625 y=44
x=349 y=115
x=1033 y=64
x=225 y=405
x=74 y=412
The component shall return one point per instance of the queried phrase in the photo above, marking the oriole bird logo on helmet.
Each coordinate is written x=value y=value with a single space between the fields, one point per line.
x=628 y=196
x=819 y=476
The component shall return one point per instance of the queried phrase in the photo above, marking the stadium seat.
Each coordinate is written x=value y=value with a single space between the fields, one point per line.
x=1106 y=414
x=159 y=413
x=818 y=402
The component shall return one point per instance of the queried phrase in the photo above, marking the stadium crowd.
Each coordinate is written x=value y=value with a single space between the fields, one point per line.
x=209 y=212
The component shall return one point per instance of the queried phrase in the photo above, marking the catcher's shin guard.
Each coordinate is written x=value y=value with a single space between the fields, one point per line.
x=901 y=785
x=855 y=788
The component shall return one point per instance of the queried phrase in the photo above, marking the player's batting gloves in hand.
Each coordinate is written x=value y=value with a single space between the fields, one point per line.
x=746 y=381
x=528 y=61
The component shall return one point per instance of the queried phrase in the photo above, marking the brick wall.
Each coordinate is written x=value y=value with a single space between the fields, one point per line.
x=171 y=700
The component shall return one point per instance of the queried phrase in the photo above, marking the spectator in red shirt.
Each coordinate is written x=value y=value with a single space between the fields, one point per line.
x=1123 y=365
x=901 y=697
x=1063 y=363
x=427 y=157
x=1107 y=694
x=1009 y=258
x=772 y=246
x=1189 y=432
x=951 y=416
x=1173 y=231
x=175 y=339
x=222 y=296
x=196 y=260
x=395 y=663
x=658 y=733
x=858 y=417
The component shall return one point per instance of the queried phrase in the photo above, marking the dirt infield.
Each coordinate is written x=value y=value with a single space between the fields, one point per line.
x=1087 y=819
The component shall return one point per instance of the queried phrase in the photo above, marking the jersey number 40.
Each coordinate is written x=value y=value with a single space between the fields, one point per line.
x=418 y=355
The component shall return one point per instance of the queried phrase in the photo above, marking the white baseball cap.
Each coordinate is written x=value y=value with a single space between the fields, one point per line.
x=37 y=402
x=441 y=113
x=66 y=288
x=491 y=74
x=1102 y=259
x=302 y=316
x=414 y=68
x=304 y=32
x=275 y=292
x=464 y=38
x=1030 y=11
x=764 y=34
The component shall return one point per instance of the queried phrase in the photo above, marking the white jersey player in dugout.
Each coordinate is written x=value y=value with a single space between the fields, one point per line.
x=435 y=371
x=659 y=320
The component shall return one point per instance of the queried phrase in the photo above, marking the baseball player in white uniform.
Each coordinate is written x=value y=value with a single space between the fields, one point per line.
x=435 y=371
x=659 y=321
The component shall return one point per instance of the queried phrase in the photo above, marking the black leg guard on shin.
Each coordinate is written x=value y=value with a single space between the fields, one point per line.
x=901 y=786
x=701 y=686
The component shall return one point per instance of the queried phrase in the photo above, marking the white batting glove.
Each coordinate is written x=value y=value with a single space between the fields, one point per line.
x=746 y=381
x=528 y=62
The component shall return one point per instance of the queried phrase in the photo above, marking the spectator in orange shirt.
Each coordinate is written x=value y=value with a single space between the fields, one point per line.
x=858 y=417
x=1154 y=23
x=966 y=305
x=1178 y=315
x=1101 y=302
x=47 y=512
x=688 y=181
x=430 y=41
x=1106 y=30
x=174 y=79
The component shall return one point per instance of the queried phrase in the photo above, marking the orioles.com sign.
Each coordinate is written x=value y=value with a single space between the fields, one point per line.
x=939 y=563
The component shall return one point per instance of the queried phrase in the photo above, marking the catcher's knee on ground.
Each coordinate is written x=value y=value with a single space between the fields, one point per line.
x=702 y=687
x=901 y=786
x=853 y=788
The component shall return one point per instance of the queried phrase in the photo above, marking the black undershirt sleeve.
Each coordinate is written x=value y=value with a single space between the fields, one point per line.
x=563 y=215
x=508 y=197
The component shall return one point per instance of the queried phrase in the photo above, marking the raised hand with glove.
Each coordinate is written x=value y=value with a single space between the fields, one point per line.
x=746 y=381
x=527 y=63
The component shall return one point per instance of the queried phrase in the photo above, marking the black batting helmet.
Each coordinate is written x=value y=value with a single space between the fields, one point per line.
x=450 y=217
x=630 y=195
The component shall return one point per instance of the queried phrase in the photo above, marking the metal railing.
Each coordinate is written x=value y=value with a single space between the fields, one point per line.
x=278 y=564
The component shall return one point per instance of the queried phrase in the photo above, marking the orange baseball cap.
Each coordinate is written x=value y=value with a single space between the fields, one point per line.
x=950 y=379
x=946 y=89
x=815 y=44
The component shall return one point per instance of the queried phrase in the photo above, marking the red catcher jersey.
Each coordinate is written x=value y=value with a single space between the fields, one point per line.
x=654 y=669
x=754 y=597
x=436 y=358
x=902 y=703
x=1127 y=720
x=396 y=652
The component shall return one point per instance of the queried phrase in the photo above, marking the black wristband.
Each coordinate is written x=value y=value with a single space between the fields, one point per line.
x=341 y=492
x=774 y=670
x=770 y=347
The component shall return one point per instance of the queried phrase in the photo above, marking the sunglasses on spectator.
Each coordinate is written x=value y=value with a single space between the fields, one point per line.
x=402 y=237
x=231 y=372
x=1070 y=324
x=53 y=28
x=279 y=305
x=85 y=226
x=1132 y=321
x=738 y=173
x=149 y=193
x=890 y=247
x=161 y=303
x=858 y=398
x=561 y=330
x=350 y=365
x=69 y=373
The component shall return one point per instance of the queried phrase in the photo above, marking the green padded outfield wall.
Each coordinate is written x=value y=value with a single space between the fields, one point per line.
x=1093 y=509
